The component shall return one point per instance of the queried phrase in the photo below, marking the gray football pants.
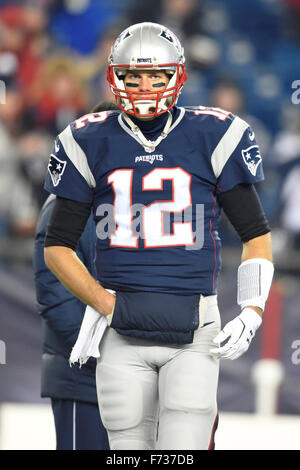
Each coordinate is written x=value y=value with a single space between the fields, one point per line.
x=159 y=397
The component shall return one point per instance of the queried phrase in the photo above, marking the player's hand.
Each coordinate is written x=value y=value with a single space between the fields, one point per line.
x=109 y=317
x=239 y=332
x=105 y=303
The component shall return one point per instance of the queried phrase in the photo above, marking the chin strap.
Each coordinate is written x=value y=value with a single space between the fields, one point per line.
x=148 y=145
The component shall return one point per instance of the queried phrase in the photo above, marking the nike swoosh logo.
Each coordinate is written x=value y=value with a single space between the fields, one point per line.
x=56 y=145
x=208 y=323
x=251 y=135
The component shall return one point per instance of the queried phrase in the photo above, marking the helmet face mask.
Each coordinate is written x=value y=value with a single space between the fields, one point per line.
x=140 y=48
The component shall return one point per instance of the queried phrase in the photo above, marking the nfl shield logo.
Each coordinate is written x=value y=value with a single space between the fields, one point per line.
x=56 y=167
x=252 y=158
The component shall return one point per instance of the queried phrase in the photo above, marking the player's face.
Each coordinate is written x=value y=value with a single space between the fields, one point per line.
x=145 y=81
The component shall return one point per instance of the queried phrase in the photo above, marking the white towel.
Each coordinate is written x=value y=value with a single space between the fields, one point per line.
x=91 y=331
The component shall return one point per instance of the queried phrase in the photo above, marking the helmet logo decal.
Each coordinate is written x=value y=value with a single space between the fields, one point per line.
x=166 y=34
x=127 y=35
x=121 y=37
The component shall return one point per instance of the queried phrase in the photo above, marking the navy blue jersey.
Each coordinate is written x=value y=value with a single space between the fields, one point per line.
x=156 y=212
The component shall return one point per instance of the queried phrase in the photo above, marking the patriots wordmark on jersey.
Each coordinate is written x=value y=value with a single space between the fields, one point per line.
x=155 y=206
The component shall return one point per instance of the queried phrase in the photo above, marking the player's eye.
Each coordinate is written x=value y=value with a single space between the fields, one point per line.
x=133 y=77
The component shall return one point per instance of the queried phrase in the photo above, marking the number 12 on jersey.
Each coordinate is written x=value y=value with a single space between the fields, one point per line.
x=153 y=213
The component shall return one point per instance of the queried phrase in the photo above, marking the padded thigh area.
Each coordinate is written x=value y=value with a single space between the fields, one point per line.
x=188 y=383
x=120 y=397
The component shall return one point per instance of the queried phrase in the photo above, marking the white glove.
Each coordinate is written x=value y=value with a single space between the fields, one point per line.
x=241 y=331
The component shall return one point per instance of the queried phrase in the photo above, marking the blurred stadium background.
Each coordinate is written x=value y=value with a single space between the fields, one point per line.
x=243 y=56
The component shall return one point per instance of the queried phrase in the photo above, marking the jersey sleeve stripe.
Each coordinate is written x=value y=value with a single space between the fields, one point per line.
x=228 y=144
x=77 y=156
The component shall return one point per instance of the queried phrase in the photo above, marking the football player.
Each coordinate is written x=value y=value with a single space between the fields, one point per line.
x=72 y=392
x=157 y=176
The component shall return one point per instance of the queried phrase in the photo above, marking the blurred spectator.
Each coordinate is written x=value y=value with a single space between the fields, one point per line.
x=57 y=96
x=290 y=217
x=228 y=95
x=181 y=16
x=23 y=40
x=93 y=68
x=11 y=42
x=11 y=113
x=184 y=18
x=35 y=46
x=34 y=148
x=285 y=155
x=19 y=200
x=80 y=24
x=7 y=177
x=293 y=19
x=18 y=209
x=13 y=190
x=286 y=146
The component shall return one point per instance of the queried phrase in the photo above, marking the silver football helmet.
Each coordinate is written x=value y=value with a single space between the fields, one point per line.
x=146 y=46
